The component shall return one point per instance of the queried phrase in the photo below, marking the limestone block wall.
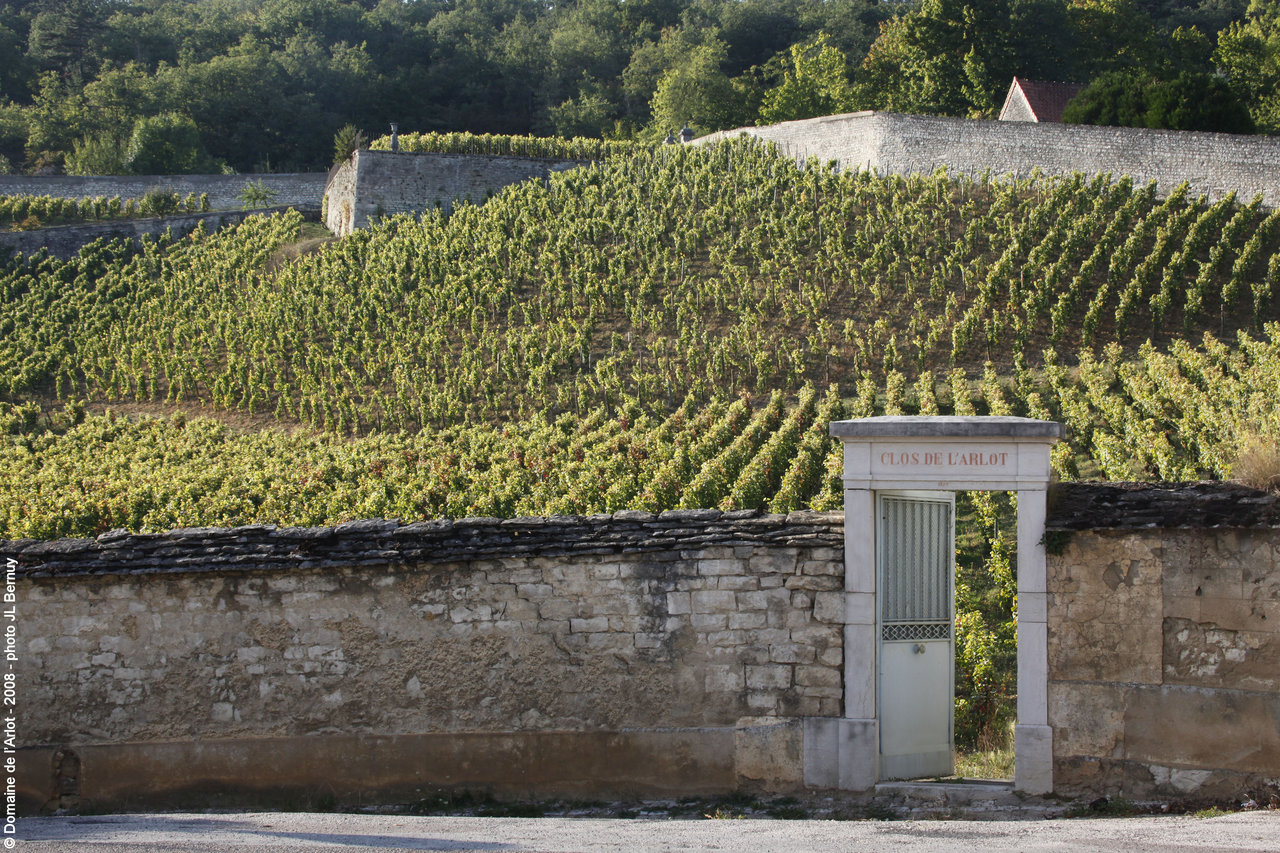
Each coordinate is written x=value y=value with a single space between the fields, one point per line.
x=591 y=657
x=372 y=184
x=1164 y=642
x=295 y=189
x=1214 y=164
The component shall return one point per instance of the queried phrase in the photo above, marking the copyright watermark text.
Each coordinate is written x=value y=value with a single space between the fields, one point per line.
x=9 y=701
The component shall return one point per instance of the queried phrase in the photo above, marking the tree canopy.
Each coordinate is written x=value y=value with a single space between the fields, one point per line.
x=267 y=83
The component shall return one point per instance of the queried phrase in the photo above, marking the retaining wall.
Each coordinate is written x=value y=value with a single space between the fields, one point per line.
x=1214 y=164
x=611 y=656
x=372 y=184
x=297 y=189
x=64 y=241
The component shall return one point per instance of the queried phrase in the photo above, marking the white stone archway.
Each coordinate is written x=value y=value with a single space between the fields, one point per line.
x=937 y=454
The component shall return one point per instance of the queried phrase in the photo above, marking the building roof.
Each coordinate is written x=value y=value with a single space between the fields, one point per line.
x=1037 y=100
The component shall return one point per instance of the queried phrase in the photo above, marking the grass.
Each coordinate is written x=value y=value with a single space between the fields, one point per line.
x=991 y=758
x=1212 y=811
x=985 y=764
x=1258 y=463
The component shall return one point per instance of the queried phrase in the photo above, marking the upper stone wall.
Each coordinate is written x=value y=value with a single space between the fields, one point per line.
x=1214 y=164
x=299 y=189
x=372 y=184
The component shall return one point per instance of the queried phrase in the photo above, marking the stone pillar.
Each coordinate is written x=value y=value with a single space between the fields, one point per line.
x=844 y=752
x=1032 y=735
x=859 y=768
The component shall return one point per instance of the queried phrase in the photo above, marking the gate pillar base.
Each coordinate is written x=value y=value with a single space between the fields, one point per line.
x=1033 y=759
x=841 y=753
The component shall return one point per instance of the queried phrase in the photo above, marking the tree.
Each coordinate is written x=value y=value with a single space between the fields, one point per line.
x=817 y=84
x=256 y=194
x=1114 y=99
x=1249 y=53
x=1113 y=35
x=946 y=58
x=695 y=92
x=1194 y=101
x=346 y=142
x=15 y=68
x=98 y=155
x=1135 y=98
x=64 y=36
x=167 y=144
x=586 y=115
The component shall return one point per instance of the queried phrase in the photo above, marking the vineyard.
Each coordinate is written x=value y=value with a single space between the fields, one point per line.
x=494 y=145
x=645 y=278
x=1176 y=414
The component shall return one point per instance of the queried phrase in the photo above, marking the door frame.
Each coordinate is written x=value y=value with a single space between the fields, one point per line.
x=953 y=453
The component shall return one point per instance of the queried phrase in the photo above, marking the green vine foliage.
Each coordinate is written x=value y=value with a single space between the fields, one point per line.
x=986 y=624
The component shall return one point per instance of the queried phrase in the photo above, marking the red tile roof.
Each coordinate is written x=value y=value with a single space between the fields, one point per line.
x=1046 y=100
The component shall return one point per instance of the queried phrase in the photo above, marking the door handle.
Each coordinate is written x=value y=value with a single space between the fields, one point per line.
x=918 y=649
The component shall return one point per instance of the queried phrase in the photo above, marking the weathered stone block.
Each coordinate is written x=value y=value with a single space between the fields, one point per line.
x=768 y=677
x=1087 y=719
x=818 y=676
x=679 y=603
x=737 y=583
x=721 y=567
x=1201 y=653
x=724 y=678
x=1101 y=601
x=829 y=607
x=746 y=620
x=791 y=653
x=713 y=601
x=1195 y=728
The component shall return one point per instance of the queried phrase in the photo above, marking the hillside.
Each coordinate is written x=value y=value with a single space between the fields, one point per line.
x=644 y=293
x=670 y=328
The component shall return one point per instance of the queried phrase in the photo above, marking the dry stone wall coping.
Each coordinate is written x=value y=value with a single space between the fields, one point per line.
x=1132 y=506
x=390 y=542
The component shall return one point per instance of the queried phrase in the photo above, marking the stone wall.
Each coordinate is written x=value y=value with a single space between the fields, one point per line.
x=1164 y=641
x=607 y=656
x=689 y=652
x=1214 y=164
x=64 y=241
x=299 y=189
x=372 y=184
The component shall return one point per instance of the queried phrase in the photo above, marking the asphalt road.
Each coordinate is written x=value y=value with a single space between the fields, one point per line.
x=242 y=833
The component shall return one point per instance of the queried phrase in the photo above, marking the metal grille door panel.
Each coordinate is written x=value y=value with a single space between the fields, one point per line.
x=917 y=543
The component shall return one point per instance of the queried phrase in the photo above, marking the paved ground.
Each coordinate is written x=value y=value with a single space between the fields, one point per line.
x=242 y=833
